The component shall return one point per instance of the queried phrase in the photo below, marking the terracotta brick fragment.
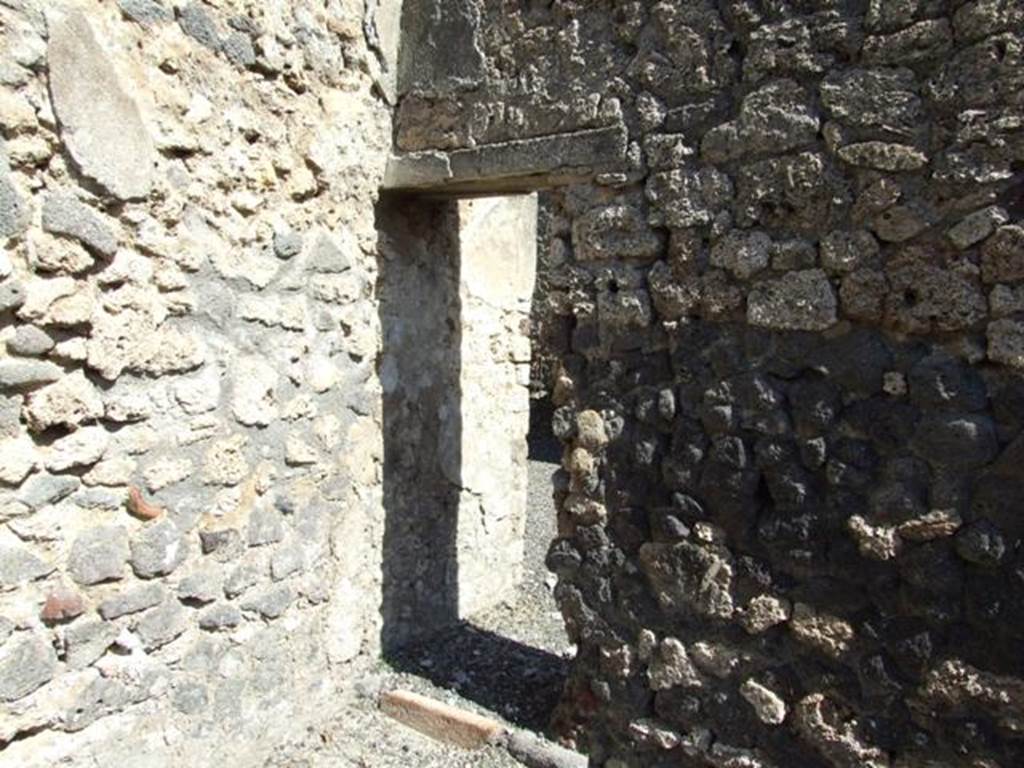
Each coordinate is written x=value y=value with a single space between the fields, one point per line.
x=140 y=508
x=62 y=605
x=440 y=721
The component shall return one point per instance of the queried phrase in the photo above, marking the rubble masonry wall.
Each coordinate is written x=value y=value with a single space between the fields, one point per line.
x=191 y=505
x=791 y=389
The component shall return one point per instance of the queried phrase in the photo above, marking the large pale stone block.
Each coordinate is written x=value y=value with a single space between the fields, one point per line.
x=100 y=123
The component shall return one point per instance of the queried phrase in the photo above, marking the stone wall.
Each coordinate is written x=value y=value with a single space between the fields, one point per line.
x=792 y=399
x=498 y=258
x=419 y=373
x=788 y=269
x=190 y=423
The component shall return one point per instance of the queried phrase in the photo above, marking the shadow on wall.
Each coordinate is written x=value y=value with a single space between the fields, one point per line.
x=419 y=372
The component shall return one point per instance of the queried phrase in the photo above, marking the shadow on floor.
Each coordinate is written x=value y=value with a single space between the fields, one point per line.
x=520 y=683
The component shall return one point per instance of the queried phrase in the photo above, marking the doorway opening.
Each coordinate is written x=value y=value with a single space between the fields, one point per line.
x=467 y=601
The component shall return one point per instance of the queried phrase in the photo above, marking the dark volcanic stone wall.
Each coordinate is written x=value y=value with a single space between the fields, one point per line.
x=792 y=401
x=802 y=548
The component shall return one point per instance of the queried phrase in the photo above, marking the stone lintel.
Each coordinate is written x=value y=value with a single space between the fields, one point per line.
x=522 y=165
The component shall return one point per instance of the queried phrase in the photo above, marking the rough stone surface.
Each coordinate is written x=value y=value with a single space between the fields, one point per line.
x=14 y=211
x=18 y=565
x=158 y=550
x=151 y=151
x=161 y=626
x=29 y=341
x=799 y=301
x=614 y=232
x=270 y=603
x=286 y=562
x=775 y=118
x=86 y=641
x=254 y=401
x=821 y=723
x=265 y=526
x=843 y=252
x=18 y=457
x=12 y=295
x=202 y=586
x=873 y=98
x=770 y=708
x=98 y=555
x=974 y=228
x=63 y=604
x=145 y=12
x=81 y=448
x=287 y=244
x=70 y=402
x=164 y=473
x=196 y=22
x=764 y=612
x=100 y=123
x=26 y=664
x=238 y=48
x=220 y=617
x=1002 y=256
x=882 y=156
x=687 y=198
x=1006 y=342
x=672 y=667
x=742 y=254
x=64 y=215
x=17 y=374
x=43 y=489
x=132 y=601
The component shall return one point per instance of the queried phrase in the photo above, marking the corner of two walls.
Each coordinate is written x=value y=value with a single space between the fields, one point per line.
x=190 y=414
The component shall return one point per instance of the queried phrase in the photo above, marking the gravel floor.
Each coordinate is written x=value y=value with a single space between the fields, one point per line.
x=508 y=663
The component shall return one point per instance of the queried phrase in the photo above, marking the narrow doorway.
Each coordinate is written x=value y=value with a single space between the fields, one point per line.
x=467 y=603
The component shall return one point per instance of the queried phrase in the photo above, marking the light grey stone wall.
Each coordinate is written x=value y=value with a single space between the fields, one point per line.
x=190 y=417
x=497 y=257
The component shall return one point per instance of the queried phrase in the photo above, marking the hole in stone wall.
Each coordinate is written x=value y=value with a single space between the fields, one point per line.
x=468 y=457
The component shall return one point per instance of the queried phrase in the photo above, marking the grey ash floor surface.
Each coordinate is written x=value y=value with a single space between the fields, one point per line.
x=508 y=663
